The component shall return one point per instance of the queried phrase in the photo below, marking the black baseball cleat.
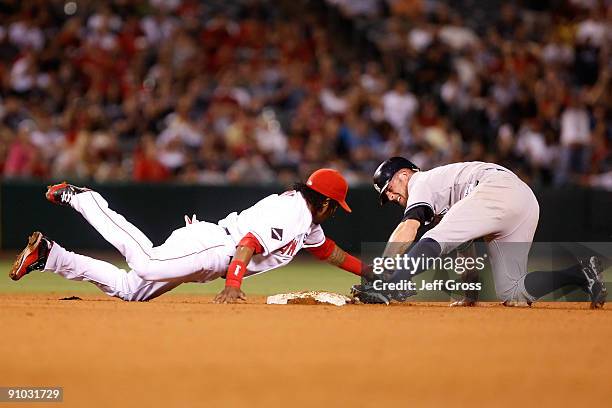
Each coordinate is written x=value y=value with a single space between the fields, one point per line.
x=61 y=194
x=366 y=293
x=592 y=270
x=33 y=257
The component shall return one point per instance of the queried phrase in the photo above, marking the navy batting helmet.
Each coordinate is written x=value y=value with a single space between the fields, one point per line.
x=386 y=171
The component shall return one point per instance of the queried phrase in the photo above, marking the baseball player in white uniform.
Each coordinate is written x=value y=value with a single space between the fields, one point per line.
x=477 y=200
x=261 y=238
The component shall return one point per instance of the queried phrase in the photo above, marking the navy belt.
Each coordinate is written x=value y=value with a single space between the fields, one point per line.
x=491 y=168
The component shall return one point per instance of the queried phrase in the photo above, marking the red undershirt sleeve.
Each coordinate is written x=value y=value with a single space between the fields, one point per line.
x=250 y=241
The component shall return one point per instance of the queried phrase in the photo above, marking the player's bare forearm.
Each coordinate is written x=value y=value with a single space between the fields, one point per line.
x=340 y=258
x=401 y=238
x=337 y=256
x=244 y=254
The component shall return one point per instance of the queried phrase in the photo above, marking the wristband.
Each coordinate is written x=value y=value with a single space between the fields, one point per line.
x=235 y=273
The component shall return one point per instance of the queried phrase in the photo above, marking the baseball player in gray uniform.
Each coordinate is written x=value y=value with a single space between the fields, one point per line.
x=478 y=200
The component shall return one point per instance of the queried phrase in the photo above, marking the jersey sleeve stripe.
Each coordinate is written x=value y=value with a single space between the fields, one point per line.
x=418 y=205
x=318 y=244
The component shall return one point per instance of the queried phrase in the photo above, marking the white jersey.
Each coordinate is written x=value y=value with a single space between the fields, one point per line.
x=440 y=188
x=281 y=223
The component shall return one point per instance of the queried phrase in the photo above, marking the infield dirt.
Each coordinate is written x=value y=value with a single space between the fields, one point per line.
x=181 y=351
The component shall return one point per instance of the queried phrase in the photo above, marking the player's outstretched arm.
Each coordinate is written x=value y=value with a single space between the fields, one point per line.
x=247 y=246
x=402 y=237
x=330 y=252
x=233 y=277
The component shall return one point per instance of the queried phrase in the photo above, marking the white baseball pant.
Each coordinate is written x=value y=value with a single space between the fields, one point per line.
x=503 y=210
x=198 y=252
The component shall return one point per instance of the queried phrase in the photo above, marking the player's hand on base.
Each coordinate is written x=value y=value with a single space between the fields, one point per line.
x=230 y=294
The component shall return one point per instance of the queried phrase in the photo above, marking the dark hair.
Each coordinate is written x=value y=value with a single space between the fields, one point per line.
x=314 y=198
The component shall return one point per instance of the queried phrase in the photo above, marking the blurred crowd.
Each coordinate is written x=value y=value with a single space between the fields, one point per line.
x=258 y=92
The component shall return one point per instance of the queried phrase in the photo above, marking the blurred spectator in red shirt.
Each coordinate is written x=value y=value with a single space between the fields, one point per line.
x=23 y=159
x=147 y=167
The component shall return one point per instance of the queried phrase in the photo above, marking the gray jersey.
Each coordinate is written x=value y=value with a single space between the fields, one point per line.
x=481 y=200
x=442 y=187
